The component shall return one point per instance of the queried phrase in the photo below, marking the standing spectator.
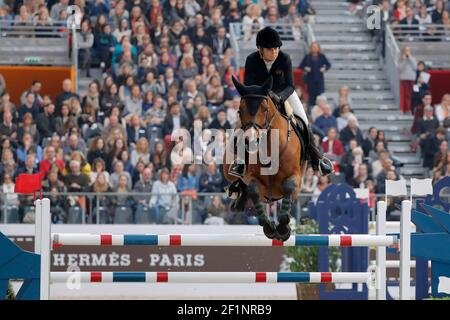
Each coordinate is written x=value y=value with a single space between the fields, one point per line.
x=426 y=128
x=85 y=40
x=420 y=86
x=407 y=69
x=35 y=88
x=28 y=107
x=315 y=63
x=418 y=113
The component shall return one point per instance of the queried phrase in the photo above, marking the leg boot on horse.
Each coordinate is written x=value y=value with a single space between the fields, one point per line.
x=268 y=226
x=283 y=229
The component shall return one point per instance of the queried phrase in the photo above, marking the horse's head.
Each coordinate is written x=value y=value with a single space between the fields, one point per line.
x=256 y=109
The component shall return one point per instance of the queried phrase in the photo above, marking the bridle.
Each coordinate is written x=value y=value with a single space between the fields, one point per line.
x=252 y=124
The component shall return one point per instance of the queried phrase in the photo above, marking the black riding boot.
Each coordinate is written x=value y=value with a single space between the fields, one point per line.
x=318 y=161
x=237 y=169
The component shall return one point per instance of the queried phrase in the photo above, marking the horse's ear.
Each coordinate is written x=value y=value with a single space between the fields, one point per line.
x=239 y=86
x=267 y=84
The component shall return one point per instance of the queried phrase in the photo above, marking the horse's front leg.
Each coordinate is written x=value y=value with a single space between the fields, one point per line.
x=254 y=194
x=289 y=188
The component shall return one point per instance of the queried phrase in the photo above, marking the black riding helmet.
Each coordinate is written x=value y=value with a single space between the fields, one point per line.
x=268 y=38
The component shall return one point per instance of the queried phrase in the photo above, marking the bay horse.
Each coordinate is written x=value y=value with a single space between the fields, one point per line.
x=259 y=114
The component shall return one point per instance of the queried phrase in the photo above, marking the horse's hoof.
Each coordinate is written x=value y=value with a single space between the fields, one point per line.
x=270 y=230
x=284 y=219
x=283 y=232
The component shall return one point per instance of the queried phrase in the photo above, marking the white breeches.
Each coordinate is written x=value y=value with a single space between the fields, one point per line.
x=293 y=103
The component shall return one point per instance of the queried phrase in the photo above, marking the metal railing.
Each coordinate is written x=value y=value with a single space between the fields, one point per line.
x=392 y=55
x=28 y=43
x=188 y=210
x=421 y=32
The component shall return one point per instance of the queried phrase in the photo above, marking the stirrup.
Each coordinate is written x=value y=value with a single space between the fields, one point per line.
x=325 y=166
x=232 y=171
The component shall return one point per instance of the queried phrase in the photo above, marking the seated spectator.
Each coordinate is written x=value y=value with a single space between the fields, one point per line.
x=174 y=120
x=141 y=152
x=29 y=166
x=35 y=88
x=326 y=121
x=28 y=126
x=430 y=146
x=214 y=91
x=144 y=185
x=135 y=130
x=357 y=160
x=443 y=169
x=188 y=68
x=344 y=113
x=216 y=212
x=7 y=128
x=252 y=21
x=317 y=110
x=101 y=185
x=442 y=111
x=441 y=155
x=122 y=190
x=119 y=169
x=400 y=11
x=28 y=147
x=436 y=14
x=115 y=151
x=423 y=17
x=113 y=130
x=74 y=143
x=211 y=179
x=46 y=121
x=361 y=178
x=427 y=125
x=96 y=150
x=387 y=174
x=410 y=21
x=348 y=157
x=418 y=113
x=164 y=198
x=220 y=122
x=10 y=198
x=369 y=142
x=59 y=205
x=76 y=180
x=64 y=96
x=332 y=147
x=324 y=182
x=99 y=167
x=232 y=111
x=159 y=156
x=49 y=160
x=28 y=107
x=351 y=131
x=133 y=103
x=309 y=181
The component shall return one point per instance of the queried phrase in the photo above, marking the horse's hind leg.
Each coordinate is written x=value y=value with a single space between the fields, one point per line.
x=283 y=229
x=268 y=226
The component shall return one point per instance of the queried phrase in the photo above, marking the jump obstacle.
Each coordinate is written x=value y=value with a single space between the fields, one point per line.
x=34 y=268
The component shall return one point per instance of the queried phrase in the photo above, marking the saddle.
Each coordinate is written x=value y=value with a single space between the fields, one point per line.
x=299 y=126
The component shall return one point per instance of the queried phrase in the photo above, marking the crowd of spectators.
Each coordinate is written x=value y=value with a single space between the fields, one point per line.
x=167 y=65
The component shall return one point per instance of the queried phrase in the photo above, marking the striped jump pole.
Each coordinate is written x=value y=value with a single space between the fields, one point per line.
x=229 y=240
x=213 y=277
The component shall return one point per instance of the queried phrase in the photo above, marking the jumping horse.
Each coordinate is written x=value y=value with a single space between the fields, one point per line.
x=259 y=115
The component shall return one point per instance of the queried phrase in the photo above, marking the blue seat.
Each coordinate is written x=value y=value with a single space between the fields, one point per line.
x=75 y=215
x=123 y=215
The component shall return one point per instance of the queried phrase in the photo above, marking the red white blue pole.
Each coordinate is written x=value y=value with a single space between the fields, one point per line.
x=240 y=240
x=212 y=277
